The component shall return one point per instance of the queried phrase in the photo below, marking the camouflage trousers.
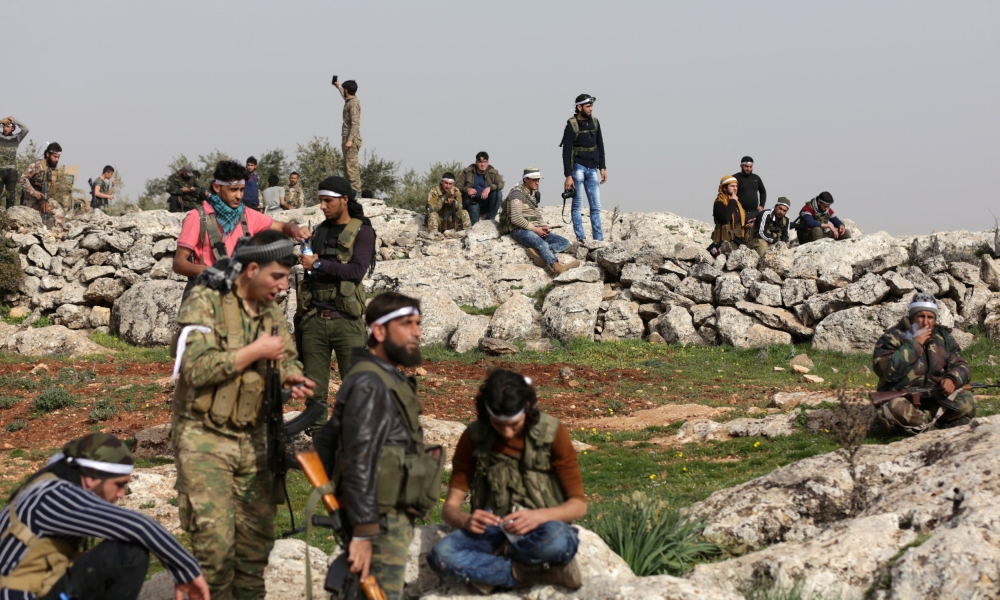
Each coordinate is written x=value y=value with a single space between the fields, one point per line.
x=224 y=493
x=390 y=551
x=758 y=245
x=900 y=412
x=436 y=220
x=815 y=234
x=352 y=169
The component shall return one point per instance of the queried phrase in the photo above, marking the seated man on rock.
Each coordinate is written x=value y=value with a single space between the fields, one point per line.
x=520 y=468
x=522 y=219
x=771 y=227
x=917 y=352
x=444 y=207
x=816 y=221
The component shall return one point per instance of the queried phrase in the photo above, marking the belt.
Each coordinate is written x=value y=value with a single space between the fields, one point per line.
x=329 y=314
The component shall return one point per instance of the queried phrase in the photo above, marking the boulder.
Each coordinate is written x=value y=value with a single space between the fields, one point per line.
x=701 y=313
x=440 y=316
x=585 y=273
x=631 y=273
x=50 y=283
x=967 y=273
x=456 y=277
x=898 y=285
x=50 y=341
x=857 y=329
x=648 y=291
x=697 y=291
x=779 y=259
x=105 y=289
x=670 y=266
x=495 y=347
x=91 y=273
x=739 y=330
x=25 y=220
x=470 y=330
x=989 y=272
x=951 y=245
x=767 y=294
x=164 y=247
x=972 y=305
x=73 y=316
x=139 y=258
x=622 y=321
x=819 y=306
x=40 y=257
x=705 y=272
x=676 y=327
x=483 y=231
x=776 y=318
x=741 y=258
x=786 y=400
x=614 y=256
x=920 y=280
x=146 y=314
x=153 y=442
x=570 y=311
x=729 y=290
x=796 y=291
x=868 y=290
x=934 y=264
x=516 y=319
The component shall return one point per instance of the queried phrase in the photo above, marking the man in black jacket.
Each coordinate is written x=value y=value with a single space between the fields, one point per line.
x=583 y=164
x=752 y=194
x=373 y=447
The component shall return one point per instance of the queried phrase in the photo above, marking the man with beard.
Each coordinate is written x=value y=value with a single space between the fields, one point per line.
x=331 y=298
x=294 y=197
x=373 y=447
x=583 y=165
x=183 y=189
x=37 y=180
x=751 y=192
x=9 y=141
x=482 y=189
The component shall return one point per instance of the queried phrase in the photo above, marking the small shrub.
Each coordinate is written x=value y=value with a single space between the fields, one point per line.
x=18 y=382
x=172 y=501
x=42 y=322
x=540 y=295
x=7 y=402
x=472 y=310
x=17 y=425
x=53 y=399
x=653 y=538
x=103 y=410
x=149 y=504
x=11 y=275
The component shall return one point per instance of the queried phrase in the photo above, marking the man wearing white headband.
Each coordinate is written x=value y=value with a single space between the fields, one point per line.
x=751 y=192
x=44 y=527
x=520 y=470
x=444 y=207
x=583 y=165
x=373 y=446
x=210 y=231
x=917 y=352
x=522 y=219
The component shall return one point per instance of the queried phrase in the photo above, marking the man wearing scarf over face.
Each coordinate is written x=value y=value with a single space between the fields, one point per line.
x=226 y=492
x=210 y=232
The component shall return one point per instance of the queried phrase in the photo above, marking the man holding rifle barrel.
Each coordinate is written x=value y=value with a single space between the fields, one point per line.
x=231 y=329
x=921 y=373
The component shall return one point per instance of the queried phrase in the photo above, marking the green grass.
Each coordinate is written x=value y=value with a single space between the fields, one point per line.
x=43 y=321
x=8 y=402
x=52 y=399
x=127 y=352
x=472 y=310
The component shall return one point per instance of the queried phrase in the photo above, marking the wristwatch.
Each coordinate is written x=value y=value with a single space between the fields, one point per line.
x=316 y=264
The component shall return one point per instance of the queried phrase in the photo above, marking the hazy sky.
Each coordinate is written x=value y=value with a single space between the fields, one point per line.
x=891 y=106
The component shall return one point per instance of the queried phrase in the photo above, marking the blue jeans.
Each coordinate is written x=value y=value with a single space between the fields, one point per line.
x=547 y=246
x=478 y=207
x=469 y=556
x=589 y=180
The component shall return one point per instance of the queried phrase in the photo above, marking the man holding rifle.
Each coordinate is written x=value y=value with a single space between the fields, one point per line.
x=36 y=182
x=231 y=328
x=373 y=446
x=921 y=373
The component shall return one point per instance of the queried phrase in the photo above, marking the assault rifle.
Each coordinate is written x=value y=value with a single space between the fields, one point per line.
x=914 y=394
x=339 y=579
x=451 y=214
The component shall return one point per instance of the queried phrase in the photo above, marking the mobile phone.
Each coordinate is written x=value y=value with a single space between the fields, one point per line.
x=334 y=79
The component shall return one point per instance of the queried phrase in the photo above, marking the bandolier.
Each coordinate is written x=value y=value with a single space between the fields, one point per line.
x=348 y=297
x=503 y=482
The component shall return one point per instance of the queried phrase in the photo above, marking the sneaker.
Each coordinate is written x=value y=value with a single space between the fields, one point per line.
x=559 y=268
x=567 y=575
x=536 y=257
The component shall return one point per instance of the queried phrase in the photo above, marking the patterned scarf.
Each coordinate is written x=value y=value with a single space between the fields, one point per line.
x=226 y=215
x=814 y=203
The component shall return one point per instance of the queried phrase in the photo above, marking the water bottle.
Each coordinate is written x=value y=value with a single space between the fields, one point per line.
x=306 y=249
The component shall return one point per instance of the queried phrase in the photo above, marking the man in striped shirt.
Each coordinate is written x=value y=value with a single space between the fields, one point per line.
x=522 y=219
x=45 y=525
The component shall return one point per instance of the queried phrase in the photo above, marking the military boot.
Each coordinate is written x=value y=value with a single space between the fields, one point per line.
x=567 y=575
x=536 y=257
x=559 y=268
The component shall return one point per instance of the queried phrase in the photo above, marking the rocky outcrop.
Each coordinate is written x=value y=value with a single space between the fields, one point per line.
x=146 y=314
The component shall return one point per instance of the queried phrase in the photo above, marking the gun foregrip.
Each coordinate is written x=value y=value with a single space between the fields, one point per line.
x=312 y=468
x=372 y=589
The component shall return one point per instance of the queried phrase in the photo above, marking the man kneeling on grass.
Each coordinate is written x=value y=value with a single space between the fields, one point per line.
x=521 y=470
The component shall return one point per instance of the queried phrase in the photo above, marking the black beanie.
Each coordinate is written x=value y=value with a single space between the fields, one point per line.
x=825 y=197
x=337 y=185
x=746 y=159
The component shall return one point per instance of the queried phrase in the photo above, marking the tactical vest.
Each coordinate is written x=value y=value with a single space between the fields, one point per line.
x=774 y=230
x=574 y=124
x=405 y=480
x=37 y=180
x=349 y=297
x=211 y=235
x=505 y=224
x=237 y=401
x=47 y=558
x=502 y=481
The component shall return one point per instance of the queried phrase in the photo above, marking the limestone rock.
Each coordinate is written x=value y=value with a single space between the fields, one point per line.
x=767 y=294
x=812 y=379
x=975 y=299
x=285 y=575
x=951 y=245
x=676 y=327
x=776 y=318
x=797 y=291
x=649 y=291
x=779 y=259
x=819 y=306
x=650 y=310
x=742 y=258
x=857 y=329
x=89 y=274
x=482 y=231
x=40 y=257
x=967 y=273
x=803 y=360
x=585 y=273
x=786 y=400
x=614 y=256
x=743 y=332
x=49 y=341
x=139 y=258
x=495 y=347
x=73 y=316
x=898 y=285
x=516 y=319
x=164 y=247
x=697 y=291
x=146 y=314
x=670 y=266
x=920 y=280
x=153 y=442
x=631 y=273
x=989 y=273
x=50 y=283
x=471 y=329
x=729 y=290
x=570 y=311
x=705 y=272
x=105 y=289
x=25 y=220
x=456 y=277
x=150 y=491
x=701 y=313
x=622 y=321
x=440 y=316
x=934 y=264
x=868 y=290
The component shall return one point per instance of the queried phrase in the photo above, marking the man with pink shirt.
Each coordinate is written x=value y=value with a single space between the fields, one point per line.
x=210 y=232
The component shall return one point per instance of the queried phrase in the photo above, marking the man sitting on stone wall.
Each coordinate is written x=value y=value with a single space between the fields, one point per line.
x=444 y=207
x=917 y=352
x=521 y=470
x=523 y=221
x=816 y=221
x=770 y=227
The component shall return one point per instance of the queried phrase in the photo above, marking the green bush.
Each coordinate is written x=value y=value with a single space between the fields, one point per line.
x=653 y=538
x=7 y=402
x=17 y=425
x=103 y=410
x=11 y=275
x=53 y=399
x=42 y=322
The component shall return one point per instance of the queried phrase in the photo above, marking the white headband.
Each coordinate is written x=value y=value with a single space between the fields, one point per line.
x=589 y=100
x=513 y=417
x=728 y=180
x=330 y=194
x=97 y=465
x=231 y=183
x=447 y=180
x=927 y=305
x=746 y=163
x=402 y=312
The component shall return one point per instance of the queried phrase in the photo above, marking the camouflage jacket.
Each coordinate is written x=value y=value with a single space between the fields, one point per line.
x=206 y=362
x=31 y=179
x=351 y=129
x=9 y=144
x=189 y=199
x=901 y=363
x=294 y=196
x=436 y=198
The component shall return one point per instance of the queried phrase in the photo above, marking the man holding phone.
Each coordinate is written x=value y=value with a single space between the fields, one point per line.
x=523 y=221
x=350 y=133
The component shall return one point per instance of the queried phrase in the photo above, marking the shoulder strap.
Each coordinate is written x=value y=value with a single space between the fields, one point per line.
x=231 y=317
x=210 y=235
x=345 y=242
x=396 y=391
x=546 y=429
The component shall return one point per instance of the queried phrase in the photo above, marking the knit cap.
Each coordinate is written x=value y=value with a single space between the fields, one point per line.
x=785 y=201
x=100 y=455
x=921 y=302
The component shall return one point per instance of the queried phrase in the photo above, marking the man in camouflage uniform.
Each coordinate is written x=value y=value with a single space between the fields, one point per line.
x=226 y=493
x=350 y=132
x=444 y=207
x=373 y=446
x=919 y=353
x=40 y=178
x=9 y=141
x=522 y=219
x=294 y=197
x=183 y=189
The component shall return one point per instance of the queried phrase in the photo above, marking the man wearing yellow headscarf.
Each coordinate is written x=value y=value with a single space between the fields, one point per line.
x=730 y=218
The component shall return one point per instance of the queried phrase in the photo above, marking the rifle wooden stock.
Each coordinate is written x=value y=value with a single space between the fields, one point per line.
x=371 y=589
